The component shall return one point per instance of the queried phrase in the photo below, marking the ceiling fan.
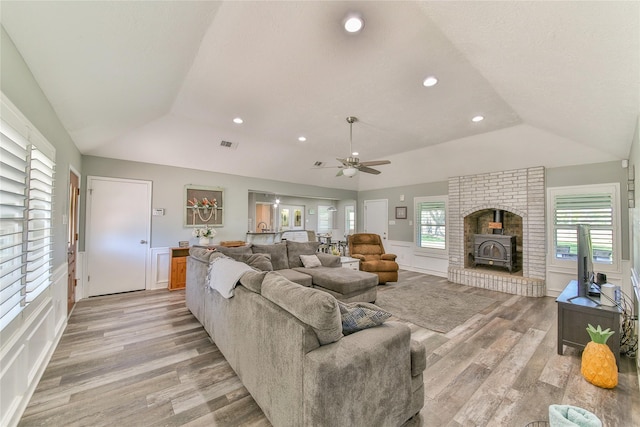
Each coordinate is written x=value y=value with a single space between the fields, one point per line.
x=351 y=165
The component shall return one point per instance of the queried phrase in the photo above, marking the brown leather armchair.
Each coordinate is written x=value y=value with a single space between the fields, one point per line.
x=368 y=249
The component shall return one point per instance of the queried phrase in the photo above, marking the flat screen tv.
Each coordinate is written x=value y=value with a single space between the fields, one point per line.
x=586 y=274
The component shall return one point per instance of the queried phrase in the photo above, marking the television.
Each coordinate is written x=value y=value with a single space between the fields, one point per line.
x=586 y=274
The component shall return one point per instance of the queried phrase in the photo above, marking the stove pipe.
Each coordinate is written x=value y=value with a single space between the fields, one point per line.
x=498 y=215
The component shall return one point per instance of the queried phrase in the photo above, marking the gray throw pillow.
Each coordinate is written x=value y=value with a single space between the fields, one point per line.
x=261 y=262
x=357 y=316
x=278 y=252
x=310 y=261
x=295 y=249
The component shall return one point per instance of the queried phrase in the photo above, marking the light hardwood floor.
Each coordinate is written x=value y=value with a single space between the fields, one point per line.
x=141 y=359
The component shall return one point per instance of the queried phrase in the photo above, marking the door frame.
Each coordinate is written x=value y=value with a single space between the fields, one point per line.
x=149 y=184
x=70 y=218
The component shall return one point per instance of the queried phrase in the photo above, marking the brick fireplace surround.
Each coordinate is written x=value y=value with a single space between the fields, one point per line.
x=518 y=191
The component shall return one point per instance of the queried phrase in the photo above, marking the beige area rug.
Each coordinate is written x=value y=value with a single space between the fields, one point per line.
x=431 y=305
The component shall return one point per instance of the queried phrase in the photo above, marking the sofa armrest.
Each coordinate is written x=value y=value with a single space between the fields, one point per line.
x=388 y=257
x=418 y=358
x=328 y=260
x=357 y=256
x=365 y=377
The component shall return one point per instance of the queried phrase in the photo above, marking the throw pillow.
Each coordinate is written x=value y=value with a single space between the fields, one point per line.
x=310 y=261
x=357 y=316
x=278 y=252
x=295 y=249
x=261 y=262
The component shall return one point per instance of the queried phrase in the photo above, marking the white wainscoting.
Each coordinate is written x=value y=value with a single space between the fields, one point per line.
x=409 y=260
x=160 y=261
x=27 y=344
x=558 y=279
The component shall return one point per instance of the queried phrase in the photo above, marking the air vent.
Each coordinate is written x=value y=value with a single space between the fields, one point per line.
x=318 y=164
x=227 y=144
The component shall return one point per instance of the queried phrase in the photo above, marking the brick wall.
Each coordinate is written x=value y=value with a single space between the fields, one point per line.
x=520 y=192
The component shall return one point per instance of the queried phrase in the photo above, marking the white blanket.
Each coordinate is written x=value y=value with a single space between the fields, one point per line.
x=223 y=275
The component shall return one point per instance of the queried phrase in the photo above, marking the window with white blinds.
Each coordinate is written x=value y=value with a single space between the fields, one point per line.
x=431 y=223
x=26 y=196
x=324 y=219
x=595 y=206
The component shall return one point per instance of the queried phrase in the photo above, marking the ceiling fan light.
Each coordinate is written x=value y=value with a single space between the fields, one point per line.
x=350 y=172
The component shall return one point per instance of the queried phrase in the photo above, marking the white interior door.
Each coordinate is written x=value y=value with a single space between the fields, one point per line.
x=376 y=218
x=118 y=229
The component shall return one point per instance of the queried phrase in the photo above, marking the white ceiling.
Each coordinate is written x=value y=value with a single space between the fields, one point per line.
x=160 y=82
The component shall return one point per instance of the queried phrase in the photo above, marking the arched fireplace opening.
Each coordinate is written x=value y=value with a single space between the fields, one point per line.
x=493 y=240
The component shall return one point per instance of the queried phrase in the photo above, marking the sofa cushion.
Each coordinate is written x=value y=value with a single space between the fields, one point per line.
x=202 y=254
x=278 y=252
x=261 y=262
x=310 y=261
x=342 y=280
x=311 y=306
x=295 y=249
x=252 y=280
x=329 y=260
x=357 y=316
x=297 y=277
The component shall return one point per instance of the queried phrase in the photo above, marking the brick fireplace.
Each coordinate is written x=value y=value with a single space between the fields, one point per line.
x=472 y=199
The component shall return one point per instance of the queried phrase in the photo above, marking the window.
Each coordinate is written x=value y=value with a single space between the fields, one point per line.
x=349 y=219
x=27 y=177
x=325 y=219
x=431 y=221
x=595 y=205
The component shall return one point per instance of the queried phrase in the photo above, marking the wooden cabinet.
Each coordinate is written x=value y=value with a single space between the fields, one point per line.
x=178 y=268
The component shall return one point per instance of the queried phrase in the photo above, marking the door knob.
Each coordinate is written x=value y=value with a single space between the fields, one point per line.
x=143 y=242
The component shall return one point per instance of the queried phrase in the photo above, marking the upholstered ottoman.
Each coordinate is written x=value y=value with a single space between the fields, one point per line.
x=345 y=284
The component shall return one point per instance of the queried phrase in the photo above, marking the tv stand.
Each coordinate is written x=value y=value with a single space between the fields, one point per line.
x=575 y=313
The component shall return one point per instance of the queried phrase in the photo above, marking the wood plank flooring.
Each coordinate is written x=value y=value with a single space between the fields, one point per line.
x=142 y=359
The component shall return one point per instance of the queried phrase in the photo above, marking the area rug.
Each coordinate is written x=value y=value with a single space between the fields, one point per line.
x=430 y=306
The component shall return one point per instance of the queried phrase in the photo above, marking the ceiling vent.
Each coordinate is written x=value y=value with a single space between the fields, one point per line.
x=318 y=164
x=227 y=144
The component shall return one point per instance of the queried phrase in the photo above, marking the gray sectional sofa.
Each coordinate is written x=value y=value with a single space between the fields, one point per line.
x=285 y=342
x=344 y=284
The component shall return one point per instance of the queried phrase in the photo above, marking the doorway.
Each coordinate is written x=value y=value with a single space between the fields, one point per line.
x=118 y=230
x=72 y=239
x=376 y=218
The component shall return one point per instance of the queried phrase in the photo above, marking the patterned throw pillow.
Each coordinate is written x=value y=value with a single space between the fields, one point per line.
x=357 y=316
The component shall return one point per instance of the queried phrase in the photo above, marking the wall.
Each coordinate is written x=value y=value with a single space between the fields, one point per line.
x=27 y=343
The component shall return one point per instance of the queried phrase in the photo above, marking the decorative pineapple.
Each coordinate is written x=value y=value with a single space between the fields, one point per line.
x=598 y=362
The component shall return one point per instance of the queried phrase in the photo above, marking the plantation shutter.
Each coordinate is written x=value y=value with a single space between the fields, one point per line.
x=594 y=209
x=13 y=177
x=431 y=220
x=27 y=174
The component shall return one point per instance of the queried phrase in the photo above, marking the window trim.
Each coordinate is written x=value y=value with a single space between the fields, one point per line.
x=568 y=264
x=439 y=253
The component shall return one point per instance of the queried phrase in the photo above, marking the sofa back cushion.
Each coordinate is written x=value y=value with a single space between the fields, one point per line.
x=202 y=254
x=278 y=252
x=235 y=251
x=313 y=307
x=260 y=262
x=252 y=280
x=295 y=249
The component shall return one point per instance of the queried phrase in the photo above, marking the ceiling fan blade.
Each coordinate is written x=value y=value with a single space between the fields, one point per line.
x=375 y=163
x=340 y=172
x=343 y=161
x=367 y=169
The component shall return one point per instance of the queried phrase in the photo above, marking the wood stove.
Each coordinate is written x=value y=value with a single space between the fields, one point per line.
x=495 y=249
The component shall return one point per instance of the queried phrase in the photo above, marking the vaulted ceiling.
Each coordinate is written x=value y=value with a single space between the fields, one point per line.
x=558 y=83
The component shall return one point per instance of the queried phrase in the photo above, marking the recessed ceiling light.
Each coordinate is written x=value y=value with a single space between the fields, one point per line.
x=477 y=119
x=355 y=153
x=430 y=81
x=238 y=120
x=302 y=139
x=353 y=23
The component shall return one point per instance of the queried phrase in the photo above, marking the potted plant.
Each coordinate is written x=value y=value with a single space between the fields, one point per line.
x=204 y=234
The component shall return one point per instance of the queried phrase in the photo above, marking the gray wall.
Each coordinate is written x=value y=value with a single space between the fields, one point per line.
x=20 y=87
x=168 y=193
x=555 y=177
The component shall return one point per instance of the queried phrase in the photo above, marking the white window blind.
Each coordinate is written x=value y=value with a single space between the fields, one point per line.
x=594 y=209
x=324 y=219
x=431 y=217
x=26 y=197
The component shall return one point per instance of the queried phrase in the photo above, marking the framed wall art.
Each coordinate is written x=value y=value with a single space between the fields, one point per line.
x=203 y=206
x=401 y=212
